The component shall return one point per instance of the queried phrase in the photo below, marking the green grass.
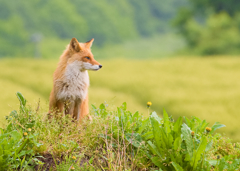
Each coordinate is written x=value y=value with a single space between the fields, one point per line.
x=204 y=87
x=114 y=140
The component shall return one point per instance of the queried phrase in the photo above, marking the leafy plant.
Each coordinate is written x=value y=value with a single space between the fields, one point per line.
x=180 y=146
x=18 y=140
x=114 y=140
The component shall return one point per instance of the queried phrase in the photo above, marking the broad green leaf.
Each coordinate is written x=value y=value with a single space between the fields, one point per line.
x=148 y=136
x=95 y=110
x=177 y=166
x=165 y=141
x=199 y=121
x=21 y=99
x=156 y=117
x=157 y=162
x=124 y=106
x=186 y=133
x=134 y=139
x=212 y=162
x=15 y=135
x=156 y=132
x=177 y=143
x=166 y=122
x=122 y=116
x=177 y=127
x=22 y=146
x=203 y=126
x=143 y=126
x=170 y=140
x=199 y=152
x=13 y=113
x=234 y=165
x=172 y=157
x=187 y=121
x=102 y=106
x=155 y=149
x=222 y=165
x=209 y=146
x=136 y=116
x=187 y=157
x=216 y=126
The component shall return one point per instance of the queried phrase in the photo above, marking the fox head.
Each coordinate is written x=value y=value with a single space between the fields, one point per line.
x=80 y=54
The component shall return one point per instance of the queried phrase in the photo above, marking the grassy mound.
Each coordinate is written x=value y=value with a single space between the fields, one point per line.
x=207 y=88
x=114 y=140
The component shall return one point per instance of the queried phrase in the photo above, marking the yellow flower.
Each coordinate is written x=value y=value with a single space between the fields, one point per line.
x=25 y=133
x=192 y=133
x=74 y=157
x=208 y=129
x=29 y=129
x=72 y=168
x=149 y=104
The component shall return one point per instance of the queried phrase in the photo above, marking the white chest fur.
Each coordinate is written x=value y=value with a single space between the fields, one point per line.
x=74 y=84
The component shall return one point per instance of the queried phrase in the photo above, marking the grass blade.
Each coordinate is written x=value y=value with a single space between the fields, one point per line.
x=177 y=166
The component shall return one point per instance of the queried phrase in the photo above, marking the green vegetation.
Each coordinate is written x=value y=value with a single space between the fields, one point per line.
x=24 y=23
x=210 y=27
x=206 y=88
x=113 y=140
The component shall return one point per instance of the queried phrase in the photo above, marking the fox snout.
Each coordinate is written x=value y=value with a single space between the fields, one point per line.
x=99 y=67
x=89 y=66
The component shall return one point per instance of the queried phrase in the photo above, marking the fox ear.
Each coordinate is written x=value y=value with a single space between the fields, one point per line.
x=74 y=45
x=89 y=43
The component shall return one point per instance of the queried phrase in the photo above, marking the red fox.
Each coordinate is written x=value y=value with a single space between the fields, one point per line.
x=71 y=80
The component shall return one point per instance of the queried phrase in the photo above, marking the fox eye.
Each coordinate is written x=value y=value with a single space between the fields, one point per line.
x=87 y=57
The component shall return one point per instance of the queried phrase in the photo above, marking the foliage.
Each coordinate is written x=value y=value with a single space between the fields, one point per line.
x=170 y=145
x=210 y=27
x=107 y=21
x=114 y=140
x=217 y=6
x=18 y=140
x=179 y=145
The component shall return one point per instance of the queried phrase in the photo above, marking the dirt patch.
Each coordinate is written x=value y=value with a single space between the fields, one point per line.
x=51 y=161
x=48 y=162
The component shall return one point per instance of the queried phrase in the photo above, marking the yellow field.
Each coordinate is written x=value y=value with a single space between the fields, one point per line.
x=208 y=88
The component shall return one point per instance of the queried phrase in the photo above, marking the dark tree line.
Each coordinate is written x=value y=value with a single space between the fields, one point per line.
x=210 y=27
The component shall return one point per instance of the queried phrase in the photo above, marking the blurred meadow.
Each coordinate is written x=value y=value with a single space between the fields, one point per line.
x=182 y=55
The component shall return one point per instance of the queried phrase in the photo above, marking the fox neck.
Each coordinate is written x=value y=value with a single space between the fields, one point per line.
x=74 y=83
x=75 y=74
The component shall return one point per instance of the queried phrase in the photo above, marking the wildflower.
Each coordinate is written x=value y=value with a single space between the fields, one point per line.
x=72 y=168
x=192 y=133
x=25 y=133
x=149 y=104
x=29 y=129
x=74 y=157
x=208 y=129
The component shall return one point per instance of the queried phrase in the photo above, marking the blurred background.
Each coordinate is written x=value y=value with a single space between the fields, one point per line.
x=182 y=55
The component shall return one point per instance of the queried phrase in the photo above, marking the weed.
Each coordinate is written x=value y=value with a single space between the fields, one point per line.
x=113 y=140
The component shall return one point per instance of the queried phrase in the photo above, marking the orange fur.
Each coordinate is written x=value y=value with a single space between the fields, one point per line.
x=70 y=80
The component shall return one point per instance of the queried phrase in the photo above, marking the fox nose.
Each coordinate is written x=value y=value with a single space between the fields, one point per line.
x=100 y=66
